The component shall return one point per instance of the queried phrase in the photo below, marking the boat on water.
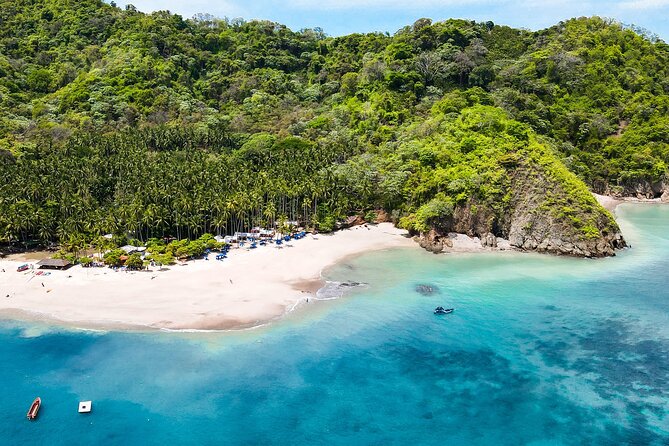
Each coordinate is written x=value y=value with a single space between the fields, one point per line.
x=442 y=310
x=34 y=408
x=85 y=406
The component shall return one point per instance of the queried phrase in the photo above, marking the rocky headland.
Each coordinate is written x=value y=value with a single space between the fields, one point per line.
x=546 y=209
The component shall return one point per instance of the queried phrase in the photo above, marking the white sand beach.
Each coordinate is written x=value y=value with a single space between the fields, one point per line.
x=611 y=203
x=247 y=289
x=607 y=202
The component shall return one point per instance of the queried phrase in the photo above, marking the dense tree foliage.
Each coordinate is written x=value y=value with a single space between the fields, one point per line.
x=117 y=121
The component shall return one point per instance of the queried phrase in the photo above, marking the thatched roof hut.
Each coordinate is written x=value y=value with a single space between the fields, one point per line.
x=54 y=264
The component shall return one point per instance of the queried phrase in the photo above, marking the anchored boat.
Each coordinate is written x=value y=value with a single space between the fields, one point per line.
x=442 y=310
x=34 y=408
x=85 y=406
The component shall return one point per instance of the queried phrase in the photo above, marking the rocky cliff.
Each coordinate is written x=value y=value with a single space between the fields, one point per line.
x=546 y=209
x=638 y=188
x=548 y=215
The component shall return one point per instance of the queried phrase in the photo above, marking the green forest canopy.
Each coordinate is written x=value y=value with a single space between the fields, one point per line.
x=114 y=120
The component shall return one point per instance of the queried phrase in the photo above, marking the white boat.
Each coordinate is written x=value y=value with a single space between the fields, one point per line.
x=85 y=406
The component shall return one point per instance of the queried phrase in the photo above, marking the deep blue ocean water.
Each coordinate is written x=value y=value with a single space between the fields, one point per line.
x=540 y=350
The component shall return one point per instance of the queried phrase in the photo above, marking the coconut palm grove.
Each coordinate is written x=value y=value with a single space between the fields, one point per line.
x=114 y=121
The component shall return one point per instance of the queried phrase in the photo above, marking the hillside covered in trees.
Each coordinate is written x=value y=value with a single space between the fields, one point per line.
x=116 y=121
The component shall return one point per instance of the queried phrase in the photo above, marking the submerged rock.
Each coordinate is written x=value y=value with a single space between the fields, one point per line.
x=426 y=290
x=350 y=284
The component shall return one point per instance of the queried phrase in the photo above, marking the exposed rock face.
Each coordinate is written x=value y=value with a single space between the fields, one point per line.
x=547 y=209
x=357 y=220
x=665 y=196
x=382 y=216
x=489 y=240
x=545 y=220
x=641 y=189
x=530 y=230
x=434 y=241
x=353 y=220
x=542 y=238
x=473 y=220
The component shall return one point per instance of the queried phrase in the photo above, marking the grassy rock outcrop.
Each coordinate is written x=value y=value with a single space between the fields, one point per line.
x=553 y=211
x=515 y=187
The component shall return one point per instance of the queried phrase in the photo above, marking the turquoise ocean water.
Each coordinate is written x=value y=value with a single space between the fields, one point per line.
x=540 y=350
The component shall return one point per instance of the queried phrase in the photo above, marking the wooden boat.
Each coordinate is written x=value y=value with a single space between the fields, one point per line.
x=34 y=408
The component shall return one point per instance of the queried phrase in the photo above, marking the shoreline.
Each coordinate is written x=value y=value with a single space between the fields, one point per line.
x=249 y=289
x=611 y=203
x=607 y=202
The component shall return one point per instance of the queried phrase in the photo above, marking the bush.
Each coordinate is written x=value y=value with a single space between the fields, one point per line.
x=175 y=247
x=209 y=241
x=325 y=220
x=119 y=240
x=113 y=257
x=407 y=222
x=85 y=261
x=155 y=245
x=430 y=213
x=163 y=259
x=327 y=224
x=195 y=248
x=135 y=261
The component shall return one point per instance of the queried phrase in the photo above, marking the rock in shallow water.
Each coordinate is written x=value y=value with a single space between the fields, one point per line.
x=426 y=290
x=434 y=241
x=350 y=284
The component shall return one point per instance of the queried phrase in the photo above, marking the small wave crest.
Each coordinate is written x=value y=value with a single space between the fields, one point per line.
x=335 y=290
